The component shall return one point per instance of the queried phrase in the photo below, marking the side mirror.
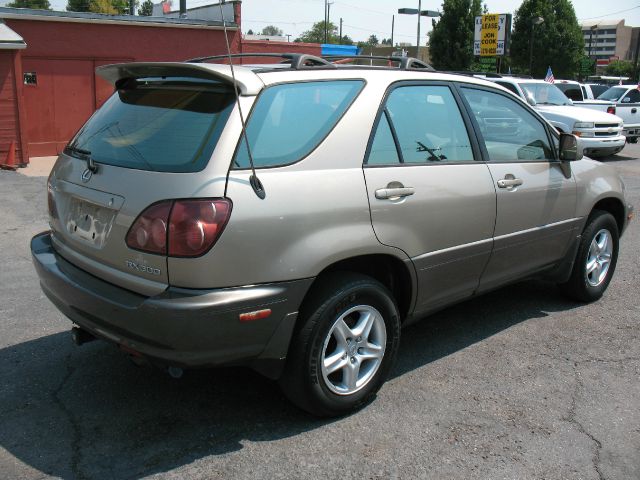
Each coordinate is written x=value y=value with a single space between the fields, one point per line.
x=530 y=100
x=570 y=149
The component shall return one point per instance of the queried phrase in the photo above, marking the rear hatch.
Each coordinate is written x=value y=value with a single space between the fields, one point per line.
x=161 y=136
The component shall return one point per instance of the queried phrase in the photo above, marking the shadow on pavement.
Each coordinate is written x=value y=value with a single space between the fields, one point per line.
x=88 y=413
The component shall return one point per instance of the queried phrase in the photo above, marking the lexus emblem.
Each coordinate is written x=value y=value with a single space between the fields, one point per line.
x=86 y=175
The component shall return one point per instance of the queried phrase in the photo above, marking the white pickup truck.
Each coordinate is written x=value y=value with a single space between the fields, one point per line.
x=627 y=100
x=582 y=95
x=600 y=133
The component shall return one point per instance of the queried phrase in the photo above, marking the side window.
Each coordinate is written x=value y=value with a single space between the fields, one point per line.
x=509 y=131
x=290 y=120
x=428 y=126
x=632 y=97
x=383 y=150
x=510 y=87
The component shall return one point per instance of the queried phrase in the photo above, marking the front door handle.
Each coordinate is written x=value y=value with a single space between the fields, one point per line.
x=634 y=110
x=509 y=182
x=394 y=190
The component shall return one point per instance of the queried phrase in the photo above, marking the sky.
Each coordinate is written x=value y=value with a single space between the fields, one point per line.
x=362 y=18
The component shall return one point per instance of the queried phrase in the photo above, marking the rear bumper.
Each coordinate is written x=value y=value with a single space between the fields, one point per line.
x=181 y=327
x=631 y=131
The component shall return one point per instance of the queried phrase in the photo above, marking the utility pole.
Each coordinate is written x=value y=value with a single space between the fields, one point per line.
x=340 y=30
x=635 y=61
x=325 y=21
x=393 y=23
x=418 y=40
x=328 y=20
x=288 y=37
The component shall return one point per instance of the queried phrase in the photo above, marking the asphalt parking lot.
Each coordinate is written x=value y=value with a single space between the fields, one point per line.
x=518 y=384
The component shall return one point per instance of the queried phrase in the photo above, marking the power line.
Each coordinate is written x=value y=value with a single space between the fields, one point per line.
x=611 y=14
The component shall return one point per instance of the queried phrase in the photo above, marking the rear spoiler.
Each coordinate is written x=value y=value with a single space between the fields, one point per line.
x=246 y=80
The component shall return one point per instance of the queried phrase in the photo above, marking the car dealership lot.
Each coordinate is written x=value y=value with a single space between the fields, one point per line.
x=519 y=383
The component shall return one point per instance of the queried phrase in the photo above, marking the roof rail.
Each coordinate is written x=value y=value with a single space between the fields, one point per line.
x=470 y=73
x=405 y=63
x=298 y=61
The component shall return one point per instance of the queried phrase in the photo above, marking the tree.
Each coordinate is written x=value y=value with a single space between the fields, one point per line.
x=102 y=6
x=316 y=34
x=451 y=40
x=620 y=68
x=250 y=32
x=386 y=41
x=272 y=30
x=146 y=8
x=78 y=5
x=35 y=4
x=373 y=40
x=109 y=7
x=346 y=40
x=557 y=42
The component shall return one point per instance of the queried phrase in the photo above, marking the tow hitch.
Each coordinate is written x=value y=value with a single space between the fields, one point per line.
x=80 y=336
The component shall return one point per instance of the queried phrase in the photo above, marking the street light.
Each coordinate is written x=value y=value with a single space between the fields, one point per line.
x=534 y=21
x=420 y=13
x=592 y=28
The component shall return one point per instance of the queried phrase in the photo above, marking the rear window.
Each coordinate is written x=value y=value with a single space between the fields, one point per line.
x=571 y=90
x=290 y=120
x=613 y=94
x=163 y=125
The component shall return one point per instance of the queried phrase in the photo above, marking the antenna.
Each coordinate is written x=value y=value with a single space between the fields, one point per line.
x=255 y=182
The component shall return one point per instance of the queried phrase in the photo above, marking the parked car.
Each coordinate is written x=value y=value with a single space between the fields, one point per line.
x=582 y=95
x=595 y=89
x=359 y=200
x=627 y=100
x=600 y=132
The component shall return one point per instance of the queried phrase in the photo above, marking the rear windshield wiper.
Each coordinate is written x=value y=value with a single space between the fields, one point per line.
x=82 y=154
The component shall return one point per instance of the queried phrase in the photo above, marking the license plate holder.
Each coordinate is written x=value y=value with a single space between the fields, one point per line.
x=89 y=222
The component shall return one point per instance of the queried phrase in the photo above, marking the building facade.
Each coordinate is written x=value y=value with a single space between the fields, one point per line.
x=609 y=40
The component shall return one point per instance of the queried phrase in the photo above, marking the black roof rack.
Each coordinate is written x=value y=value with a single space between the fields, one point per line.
x=405 y=63
x=298 y=61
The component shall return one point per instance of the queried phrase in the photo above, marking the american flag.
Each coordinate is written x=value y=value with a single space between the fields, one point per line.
x=549 y=78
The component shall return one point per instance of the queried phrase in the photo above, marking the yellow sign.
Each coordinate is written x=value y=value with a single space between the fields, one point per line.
x=489 y=35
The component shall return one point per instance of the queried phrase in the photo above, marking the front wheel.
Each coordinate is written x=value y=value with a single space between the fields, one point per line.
x=344 y=346
x=596 y=259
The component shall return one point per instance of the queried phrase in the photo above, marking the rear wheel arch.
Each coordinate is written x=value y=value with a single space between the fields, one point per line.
x=390 y=271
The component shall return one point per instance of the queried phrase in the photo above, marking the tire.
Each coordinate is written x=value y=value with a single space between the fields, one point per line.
x=331 y=326
x=596 y=259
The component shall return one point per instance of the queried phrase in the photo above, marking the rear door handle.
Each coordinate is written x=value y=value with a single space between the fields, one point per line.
x=509 y=182
x=394 y=192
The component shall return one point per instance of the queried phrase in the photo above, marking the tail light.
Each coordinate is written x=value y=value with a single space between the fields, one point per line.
x=179 y=228
x=611 y=109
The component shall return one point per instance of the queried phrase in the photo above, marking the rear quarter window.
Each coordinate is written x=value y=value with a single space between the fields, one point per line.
x=290 y=120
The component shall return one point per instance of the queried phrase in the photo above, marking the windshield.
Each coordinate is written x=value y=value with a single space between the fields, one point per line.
x=164 y=125
x=613 y=94
x=545 y=94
